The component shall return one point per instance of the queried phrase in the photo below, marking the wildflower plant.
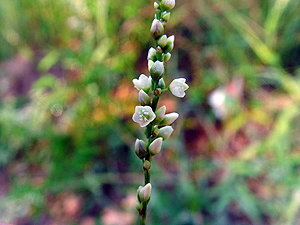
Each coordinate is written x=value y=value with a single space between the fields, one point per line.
x=156 y=121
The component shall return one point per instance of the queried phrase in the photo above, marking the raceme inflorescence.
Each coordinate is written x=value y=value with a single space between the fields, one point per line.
x=155 y=121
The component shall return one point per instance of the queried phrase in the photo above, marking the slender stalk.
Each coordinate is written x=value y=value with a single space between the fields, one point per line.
x=143 y=213
x=155 y=102
x=156 y=123
x=147 y=176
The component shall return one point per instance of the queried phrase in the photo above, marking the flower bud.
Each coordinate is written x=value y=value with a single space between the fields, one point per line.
x=167 y=4
x=144 y=193
x=166 y=16
x=156 y=5
x=157 y=29
x=155 y=146
x=138 y=206
x=144 y=99
x=162 y=41
x=139 y=188
x=159 y=53
x=150 y=64
x=146 y=165
x=161 y=83
x=140 y=148
x=165 y=132
x=138 y=192
x=151 y=54
x=168 y=119
x=160 y=113
x=167 y=56
x=170 y=44
x=155 y=131
x=157 y=70
x=157 y=92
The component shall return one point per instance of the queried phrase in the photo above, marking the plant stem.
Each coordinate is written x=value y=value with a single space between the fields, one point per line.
x=154 y=102
x=143 y=219
x=147 y=176
x=143 y=212
x=148 y=132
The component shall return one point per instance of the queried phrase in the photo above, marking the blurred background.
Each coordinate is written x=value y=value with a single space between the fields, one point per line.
x=67 y=98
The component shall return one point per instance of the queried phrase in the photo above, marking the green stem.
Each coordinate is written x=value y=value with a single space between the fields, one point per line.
x=143 y=219
x=148 y=132
x=147 y=176
x=154 y=102
x=155 y=98
x=143 y=212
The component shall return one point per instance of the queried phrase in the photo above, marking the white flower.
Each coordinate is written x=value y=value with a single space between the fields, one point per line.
x=178 y=86
x=143 y=115
x=143 y=83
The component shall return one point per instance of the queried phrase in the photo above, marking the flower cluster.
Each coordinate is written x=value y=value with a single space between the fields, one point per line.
x=156 y=121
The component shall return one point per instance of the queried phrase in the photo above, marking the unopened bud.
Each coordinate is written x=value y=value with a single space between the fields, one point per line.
x=157 y=92
x=155 y=131
x=157 y=29
x=160 y=113
x=140 y=148
x=159 y=53
x=167 y=4
x=144 y=99
x=156 y=5
x=150 y=64
x=162 y=41
x=139 y=188
x=151 y=54
x=167 y=56
x=157 y=70
x=138 y=206
x=146 y=165
x=170 y=44
x=138 y=192
x=169 y=118
x=166 y=16
x=155 y=146
x=161 y=83
x=144 y=193
x=165 y=132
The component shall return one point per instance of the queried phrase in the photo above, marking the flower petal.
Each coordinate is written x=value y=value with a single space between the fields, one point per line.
x=143 y=115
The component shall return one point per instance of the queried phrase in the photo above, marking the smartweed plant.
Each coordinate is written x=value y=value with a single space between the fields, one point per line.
x=155 y=121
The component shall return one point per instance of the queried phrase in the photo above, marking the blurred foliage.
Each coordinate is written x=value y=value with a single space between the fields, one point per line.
x=66 y=133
